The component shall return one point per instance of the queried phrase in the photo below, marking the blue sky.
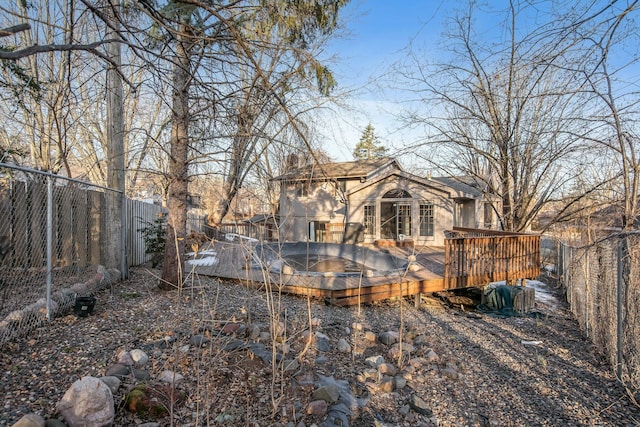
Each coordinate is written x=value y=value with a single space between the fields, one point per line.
x=377 y=30
x=375 y=34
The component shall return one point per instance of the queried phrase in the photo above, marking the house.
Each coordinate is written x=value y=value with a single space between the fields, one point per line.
x=378 y=200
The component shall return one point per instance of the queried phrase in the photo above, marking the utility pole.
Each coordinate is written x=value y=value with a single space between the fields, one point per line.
x=116 y=226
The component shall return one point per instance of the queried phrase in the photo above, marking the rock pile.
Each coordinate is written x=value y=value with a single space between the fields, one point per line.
x=148 y=391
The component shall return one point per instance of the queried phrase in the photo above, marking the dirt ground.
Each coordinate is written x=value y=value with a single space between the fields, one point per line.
x=470 y=368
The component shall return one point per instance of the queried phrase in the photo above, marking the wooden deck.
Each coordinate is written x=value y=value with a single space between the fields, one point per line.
x=467 y=260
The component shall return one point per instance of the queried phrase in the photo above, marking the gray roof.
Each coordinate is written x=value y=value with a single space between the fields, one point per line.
x=465 y=184
x=354 y=169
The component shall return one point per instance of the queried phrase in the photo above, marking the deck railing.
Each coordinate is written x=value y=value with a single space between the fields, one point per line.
x=474 y=257
x=259 y=232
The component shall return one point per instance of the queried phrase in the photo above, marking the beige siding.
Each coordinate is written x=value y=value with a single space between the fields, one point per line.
x=442 y=207
x=321 y=201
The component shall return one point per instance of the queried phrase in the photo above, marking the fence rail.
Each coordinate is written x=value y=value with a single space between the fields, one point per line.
x=476 y=257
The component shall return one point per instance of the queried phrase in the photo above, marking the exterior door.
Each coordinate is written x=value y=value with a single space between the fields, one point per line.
x=395 y=220
x=388 y=219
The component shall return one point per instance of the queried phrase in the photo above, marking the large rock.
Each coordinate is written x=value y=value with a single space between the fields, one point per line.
x=420 y=406
x=400 y=382
x=388 y=337
x=139 y=357
x=387 y=369
x=112 y=382
x=124 y=357
x=322 y=342
x=317 y=407
x=253 y=332
x=450 y=372
x=432 y=357
x=87 y=402
x=170 y=377
x=140 y=374
x=30 y=420
x=329 y=393
x=374 y=361
x=117 y=370
x=198 y=340
x=343 y=346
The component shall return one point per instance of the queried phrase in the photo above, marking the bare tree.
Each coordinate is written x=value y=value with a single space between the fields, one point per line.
x=41 y=114
x=502 y=113
x=257 y=120
x=614 y=123
x=226 y=79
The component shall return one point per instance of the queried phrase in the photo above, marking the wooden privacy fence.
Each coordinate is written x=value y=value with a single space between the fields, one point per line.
x=79 y=217
x=475 y=257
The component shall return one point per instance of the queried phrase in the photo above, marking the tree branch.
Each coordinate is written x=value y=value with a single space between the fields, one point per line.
x=35 y=49
x=6 y=55
x=5 y=32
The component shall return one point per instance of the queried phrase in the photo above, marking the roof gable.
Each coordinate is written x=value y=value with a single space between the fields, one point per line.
x=400 y=174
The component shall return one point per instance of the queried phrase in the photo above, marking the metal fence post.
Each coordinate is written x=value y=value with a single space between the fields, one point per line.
x=124 y=262
x=49 y=241
x=619 y=310
x=587 y=291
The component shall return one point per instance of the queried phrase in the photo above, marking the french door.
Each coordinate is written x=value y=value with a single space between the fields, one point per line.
x=395 y=220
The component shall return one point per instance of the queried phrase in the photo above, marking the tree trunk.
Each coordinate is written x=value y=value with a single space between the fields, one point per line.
x=242 y=147
x=178 y=178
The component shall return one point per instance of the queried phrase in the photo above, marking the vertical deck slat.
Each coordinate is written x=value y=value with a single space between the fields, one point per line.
x=483 y=256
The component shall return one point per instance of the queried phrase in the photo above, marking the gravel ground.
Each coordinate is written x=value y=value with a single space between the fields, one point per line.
x=489 y=371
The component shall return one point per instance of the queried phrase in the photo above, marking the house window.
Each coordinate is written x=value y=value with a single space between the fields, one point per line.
x=397 y=194
x=404 y=220
x=302 y=189
x=318 y=231
x=369 y=219
x=488 y=215
x=426 y=219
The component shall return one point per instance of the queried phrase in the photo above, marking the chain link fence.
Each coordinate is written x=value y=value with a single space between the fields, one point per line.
x=602 y=283
x=55 y=244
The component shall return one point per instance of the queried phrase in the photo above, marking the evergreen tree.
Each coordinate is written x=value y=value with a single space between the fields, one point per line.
x=369 y=146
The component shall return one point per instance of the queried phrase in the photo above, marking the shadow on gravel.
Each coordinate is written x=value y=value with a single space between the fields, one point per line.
x=530 y=371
